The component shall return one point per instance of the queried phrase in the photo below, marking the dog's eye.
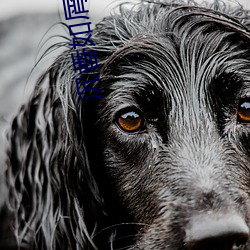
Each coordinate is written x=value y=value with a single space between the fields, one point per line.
x=130 y=121
x=243 y=113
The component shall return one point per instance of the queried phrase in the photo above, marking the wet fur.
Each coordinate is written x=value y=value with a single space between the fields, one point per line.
x=76 y=181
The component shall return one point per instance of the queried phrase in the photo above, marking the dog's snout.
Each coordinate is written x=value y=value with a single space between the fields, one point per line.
x=217 y=232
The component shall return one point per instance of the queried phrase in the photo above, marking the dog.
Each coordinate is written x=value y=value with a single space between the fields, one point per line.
x=161 y=161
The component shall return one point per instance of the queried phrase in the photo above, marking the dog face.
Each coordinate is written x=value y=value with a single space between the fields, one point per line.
x=162 y=160
x=173 y=140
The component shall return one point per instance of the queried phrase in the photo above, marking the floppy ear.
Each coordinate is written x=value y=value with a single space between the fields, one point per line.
x=51 y=187
x=53 y=198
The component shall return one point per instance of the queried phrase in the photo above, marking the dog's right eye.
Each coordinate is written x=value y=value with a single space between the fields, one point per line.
x=130 y=121
x=243 y=113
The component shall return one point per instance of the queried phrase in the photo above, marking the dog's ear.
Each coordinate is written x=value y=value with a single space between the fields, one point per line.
x=53 y=198
x=50 y=184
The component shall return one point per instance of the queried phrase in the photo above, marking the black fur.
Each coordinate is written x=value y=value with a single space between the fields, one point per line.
x=77 y=181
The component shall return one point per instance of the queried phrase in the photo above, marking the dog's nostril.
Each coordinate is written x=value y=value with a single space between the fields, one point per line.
x=217 y=232
x=240 y=242
x=223 y=242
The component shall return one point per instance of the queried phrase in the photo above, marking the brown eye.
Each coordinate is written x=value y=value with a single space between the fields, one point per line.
x=243 y=112
x=130 y=121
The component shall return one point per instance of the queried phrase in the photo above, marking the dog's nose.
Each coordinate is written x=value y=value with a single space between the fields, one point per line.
x=217 y=232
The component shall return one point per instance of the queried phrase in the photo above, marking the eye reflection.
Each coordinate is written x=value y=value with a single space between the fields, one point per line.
x=243 y=113
x=130 y=121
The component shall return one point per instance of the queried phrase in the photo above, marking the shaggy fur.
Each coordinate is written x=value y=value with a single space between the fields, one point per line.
x=78 y=181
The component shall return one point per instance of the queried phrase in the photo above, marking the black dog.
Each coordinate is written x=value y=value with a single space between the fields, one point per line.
x=161 y=161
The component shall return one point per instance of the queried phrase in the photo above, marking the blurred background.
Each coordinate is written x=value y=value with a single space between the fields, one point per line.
x=25 y=25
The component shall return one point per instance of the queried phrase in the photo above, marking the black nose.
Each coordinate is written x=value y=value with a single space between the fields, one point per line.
x=217 y=232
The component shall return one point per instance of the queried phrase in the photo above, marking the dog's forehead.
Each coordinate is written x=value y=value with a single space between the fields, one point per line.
x=176 y=64
x=186 y=57
x=181 y=59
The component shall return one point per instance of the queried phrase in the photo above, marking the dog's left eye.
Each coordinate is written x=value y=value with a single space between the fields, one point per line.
x=130 y=121
x=243 y=113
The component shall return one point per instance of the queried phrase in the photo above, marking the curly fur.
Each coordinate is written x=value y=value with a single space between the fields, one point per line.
x=76 y=181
